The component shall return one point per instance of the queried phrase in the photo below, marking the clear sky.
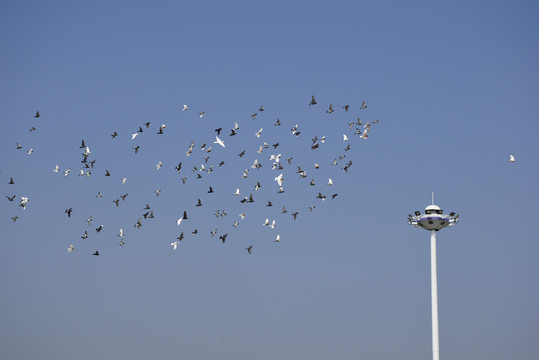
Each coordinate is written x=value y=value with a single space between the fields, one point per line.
x=454 y=86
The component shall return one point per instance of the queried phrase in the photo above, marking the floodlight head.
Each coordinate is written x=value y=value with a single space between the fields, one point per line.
x=433 y=219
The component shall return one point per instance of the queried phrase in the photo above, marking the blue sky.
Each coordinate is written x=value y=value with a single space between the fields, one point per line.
x=454 y=87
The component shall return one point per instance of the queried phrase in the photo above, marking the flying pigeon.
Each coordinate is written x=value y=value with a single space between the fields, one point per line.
x=219 y=141
x=223 y=238
x=279 y=179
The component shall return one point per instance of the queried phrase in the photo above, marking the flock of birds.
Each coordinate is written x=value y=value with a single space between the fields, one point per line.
x=280 y=164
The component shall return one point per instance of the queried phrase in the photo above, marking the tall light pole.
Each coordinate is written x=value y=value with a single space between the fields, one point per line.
x=433 y=220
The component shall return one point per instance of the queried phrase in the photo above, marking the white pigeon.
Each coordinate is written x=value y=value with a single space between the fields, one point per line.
x=344 y=137
x=258 y=133
x=511 y=158
x=86 y=151
x=219 y=141
x=237 y=191
x=266 y=222
x=124 y=180
x=242 y=216
x=236 y=127
x=184 y=107
x=364 y=135
x=277 y=239
x=330 y=182
x=56 y=169
x=175 y=244
x=277 y=158
x=159 y=165
x=30 y=151
x=70 y=248
x=133 y=136
x=121 y=233
x=279 y=179
x=272 y=225
x=24 y=201
x=66 y=172
x=179 y=221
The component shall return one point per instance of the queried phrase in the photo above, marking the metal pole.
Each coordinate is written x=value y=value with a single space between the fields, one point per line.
x=434 y=293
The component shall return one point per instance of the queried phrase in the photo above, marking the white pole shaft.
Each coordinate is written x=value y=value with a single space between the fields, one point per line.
x=434 y=297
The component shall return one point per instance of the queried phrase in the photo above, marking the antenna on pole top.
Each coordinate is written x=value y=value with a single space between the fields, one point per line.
x=433 y=198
